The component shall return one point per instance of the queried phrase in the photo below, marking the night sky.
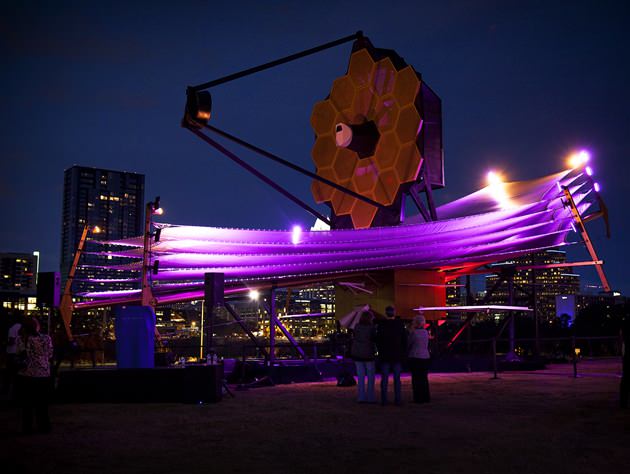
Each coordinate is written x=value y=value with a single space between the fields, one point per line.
x=102 y=84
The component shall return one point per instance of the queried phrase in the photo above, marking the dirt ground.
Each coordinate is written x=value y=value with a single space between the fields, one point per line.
x=538 y=422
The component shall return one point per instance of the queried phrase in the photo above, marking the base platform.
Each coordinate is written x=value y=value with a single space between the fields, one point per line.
x=190 y=384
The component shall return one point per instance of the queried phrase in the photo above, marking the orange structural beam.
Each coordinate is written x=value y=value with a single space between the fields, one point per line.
x=585 y=237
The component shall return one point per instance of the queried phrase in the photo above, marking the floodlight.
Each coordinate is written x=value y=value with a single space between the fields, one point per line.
x=493 y=178
x=198 y=107
x=579 y=159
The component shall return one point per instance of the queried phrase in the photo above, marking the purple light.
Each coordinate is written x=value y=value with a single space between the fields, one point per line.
x=589 y=171
x=597 y=187
x=296 y=233
x=470 y=230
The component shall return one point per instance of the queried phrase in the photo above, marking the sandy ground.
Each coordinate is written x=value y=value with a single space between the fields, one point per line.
x=539 y=422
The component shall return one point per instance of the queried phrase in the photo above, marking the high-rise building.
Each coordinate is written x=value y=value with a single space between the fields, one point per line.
x=456 y=292
x=543 y=283
x=111 y=200
x=18 y=273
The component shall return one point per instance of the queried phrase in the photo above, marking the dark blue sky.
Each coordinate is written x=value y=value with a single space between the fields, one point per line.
x=103 y=84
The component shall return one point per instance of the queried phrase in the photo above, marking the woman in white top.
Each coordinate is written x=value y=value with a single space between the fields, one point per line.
x=419 y=358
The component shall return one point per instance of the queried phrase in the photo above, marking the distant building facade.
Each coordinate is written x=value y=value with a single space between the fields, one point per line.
x=111 y=200
x=18 y=280
x=307 y=312
x=542 y=284
x=569 y=306
x=456 y=292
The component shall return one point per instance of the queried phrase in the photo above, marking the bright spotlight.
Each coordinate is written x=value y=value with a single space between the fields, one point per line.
x=493 y=178
x=589 y=170
x=597 y=187
x=254 y=295
x=579 y=159
x=497 y=189
x=96 y=230
x=296 y=233
x=158 y=212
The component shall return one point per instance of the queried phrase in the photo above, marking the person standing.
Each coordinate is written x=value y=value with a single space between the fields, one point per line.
x=363 y=353
x=12 y=340
x=33 y=381
x=391 y=342
x=419 y=359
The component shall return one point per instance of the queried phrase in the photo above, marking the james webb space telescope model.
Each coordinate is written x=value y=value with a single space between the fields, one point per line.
x=378 y=140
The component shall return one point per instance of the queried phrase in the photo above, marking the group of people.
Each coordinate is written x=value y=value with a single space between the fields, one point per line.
x=28 y=364
x=391 y=344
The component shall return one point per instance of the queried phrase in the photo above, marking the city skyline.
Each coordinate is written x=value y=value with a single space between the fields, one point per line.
x=114 y=94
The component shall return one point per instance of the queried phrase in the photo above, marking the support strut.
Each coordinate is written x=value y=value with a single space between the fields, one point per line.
x=259 y=175
x=277 y=62
x=577 y=217
x=293 y=166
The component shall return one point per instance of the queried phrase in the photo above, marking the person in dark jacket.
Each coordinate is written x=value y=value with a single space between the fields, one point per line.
x=391 y=342
x=362 y=353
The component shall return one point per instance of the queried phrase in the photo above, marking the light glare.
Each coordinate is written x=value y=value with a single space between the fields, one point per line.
x=579 y=159
x=159 y=211
x=254 y=295
x=497 y=189
x=589 y=171
x=493 y=178
x=597 y=187
x=296 y=233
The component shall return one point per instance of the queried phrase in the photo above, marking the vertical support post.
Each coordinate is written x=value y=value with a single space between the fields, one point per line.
x=213 y=298
x=402 y=208
x=535 y=307
x=573 y=346
x=494 y=357
x=468 y=302
x=201 y=328
x=147 y=293
x=511 y=354
x=209 y=330
x=272 y=326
